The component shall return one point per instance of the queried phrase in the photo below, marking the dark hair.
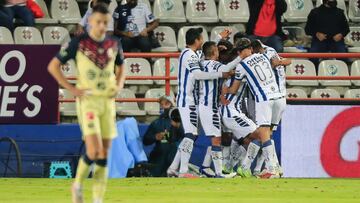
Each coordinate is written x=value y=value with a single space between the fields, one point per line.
x=242 y=44
x=107 y=2
x=238 y=36
x=193 y=34
x=100 y=8
x=175 y=115
x=256 y=45
x=208 y=48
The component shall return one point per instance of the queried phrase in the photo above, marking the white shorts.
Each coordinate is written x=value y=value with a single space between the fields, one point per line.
x=278 y=110
x=210 y=120
x=239 y=124
x=264 y=113
x=189 y=119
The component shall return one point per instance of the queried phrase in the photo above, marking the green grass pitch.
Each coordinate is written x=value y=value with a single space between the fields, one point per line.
x=158 y=190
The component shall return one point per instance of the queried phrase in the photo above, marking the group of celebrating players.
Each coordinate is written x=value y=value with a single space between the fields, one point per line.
x=210 y=94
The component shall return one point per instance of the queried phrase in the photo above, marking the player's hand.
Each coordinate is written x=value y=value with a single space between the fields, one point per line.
x=224 y=101
x=113 y=92
x=338 y=37
x=79 y=92
x=160 y=136
x=129 y=34
x=228 y=74
x=222 y=47
x=79 y=30
x=225 y=33
x=144 y=33
x=321 y=36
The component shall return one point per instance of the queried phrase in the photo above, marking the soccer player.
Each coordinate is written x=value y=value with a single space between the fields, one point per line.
x=257 y=69
x=280 y=104
x=100 y=77
x=209 y=105
x=188 y=98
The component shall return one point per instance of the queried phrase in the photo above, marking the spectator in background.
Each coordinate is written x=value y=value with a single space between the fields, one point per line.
x=166 y=132
x=16 y=9
x=135 y=23
x=265 y=22
x=328 y=26
x=83 y=26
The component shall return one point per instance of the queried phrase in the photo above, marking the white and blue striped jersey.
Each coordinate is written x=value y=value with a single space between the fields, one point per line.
x=279 y=70
x=260 y=77
x=188 y=87
x=210 y=89
x=235 y=100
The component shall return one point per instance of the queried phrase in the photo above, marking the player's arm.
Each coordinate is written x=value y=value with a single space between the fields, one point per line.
x=224 y=91
x=230 y=66
x=280 y=62
x=54 y=68
x=239 y=75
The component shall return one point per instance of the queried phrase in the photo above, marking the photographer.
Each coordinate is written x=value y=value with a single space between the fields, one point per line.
x=166 y=132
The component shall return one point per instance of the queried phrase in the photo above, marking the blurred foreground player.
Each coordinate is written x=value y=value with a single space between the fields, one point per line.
x=100 y=78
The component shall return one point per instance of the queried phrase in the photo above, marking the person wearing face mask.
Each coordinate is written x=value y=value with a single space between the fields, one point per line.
x=134 y=24
x=328 y=26
x=166 y=132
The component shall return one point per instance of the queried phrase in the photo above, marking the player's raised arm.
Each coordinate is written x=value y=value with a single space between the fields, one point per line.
x=280 y=62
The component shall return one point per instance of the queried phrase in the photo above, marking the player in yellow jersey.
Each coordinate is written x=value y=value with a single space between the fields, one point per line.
x=100 y=77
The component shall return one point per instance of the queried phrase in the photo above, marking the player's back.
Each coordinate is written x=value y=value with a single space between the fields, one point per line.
x=260 y=77
x=187 y=85
x=209 y=90
x=279 y=70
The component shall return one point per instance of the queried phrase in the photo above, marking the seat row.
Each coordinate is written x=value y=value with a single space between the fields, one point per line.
x=197 y=11
x=166 y=36
x=153 y=108
x=122 y=108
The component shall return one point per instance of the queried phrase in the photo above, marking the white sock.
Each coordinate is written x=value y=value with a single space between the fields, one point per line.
x=268 y=151
x=234 y=154
x=176 y=162
x=216 y=156
x=207 y=159
x=226 y=156
x=251 y=153
x=275 y=155
x=259 y=162
x=185 y=147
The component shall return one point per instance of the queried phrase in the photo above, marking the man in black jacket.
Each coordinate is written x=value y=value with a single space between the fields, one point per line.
x=328 y=26
x=166 y=132
x=265 y=22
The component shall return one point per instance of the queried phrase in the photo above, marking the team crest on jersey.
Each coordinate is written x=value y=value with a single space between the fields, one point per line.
x=91 y=74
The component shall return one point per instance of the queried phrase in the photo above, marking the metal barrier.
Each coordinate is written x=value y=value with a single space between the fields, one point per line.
x=167 y=76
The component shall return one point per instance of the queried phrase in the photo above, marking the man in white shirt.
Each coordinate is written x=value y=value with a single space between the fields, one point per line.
x=83 y=25
x=133 y=23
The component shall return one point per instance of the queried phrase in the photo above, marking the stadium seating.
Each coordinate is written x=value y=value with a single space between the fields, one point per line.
x=46 y=19
x=55 y=35
x=182 y=32
x=353 y=39
x=298 y=10
x=153 y=108
x=128 y=108
x=147 y=2
x=167 y=39
x=138 y=67
x=169 y=11
x=301 y=68
x=67 y=108
x=355 y=71
x=234 y=11
x=65 y=11
x=27 y=35
x=354 y=10
x=340 y=4
x=297 y=37
x=333 y=68
x=6 y=36
x=325 y=93
x=159 y=70
x=201 y=11
x=216 y=30
x=352 y=94
x=69 y=69
x=295 y=93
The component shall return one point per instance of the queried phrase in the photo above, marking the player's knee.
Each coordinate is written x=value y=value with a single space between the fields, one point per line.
x=226 y=139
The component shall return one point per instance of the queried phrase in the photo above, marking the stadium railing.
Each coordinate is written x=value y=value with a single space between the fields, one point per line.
x=168 y=78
